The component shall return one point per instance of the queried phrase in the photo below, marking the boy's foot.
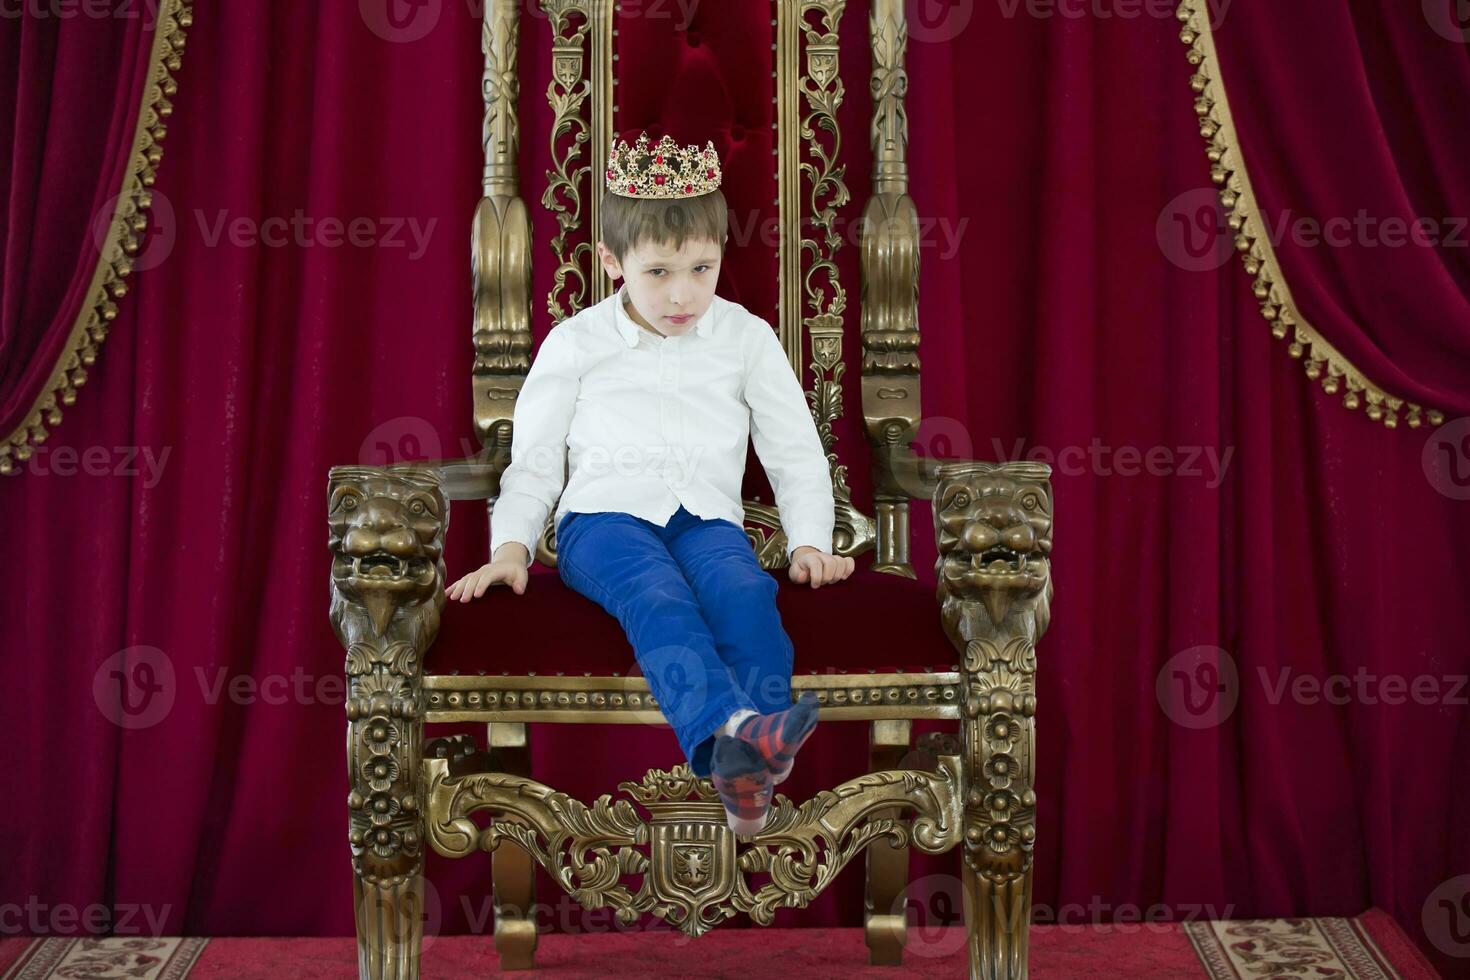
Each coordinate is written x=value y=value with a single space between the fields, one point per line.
x=742 y=779
x=777 y=736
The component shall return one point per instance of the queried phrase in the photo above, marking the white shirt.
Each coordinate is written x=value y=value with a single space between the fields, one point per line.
x=644 y=423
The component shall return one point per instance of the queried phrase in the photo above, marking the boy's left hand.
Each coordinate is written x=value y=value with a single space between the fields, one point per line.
x=817 y=567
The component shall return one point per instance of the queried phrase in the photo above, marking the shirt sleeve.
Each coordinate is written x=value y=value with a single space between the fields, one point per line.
x=789 y=447
x=536 y=476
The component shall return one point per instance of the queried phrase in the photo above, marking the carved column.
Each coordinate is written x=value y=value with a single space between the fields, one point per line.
x=387 y=542
x=501 y=240
x=582 y=100
x=512 y=870
x=890 y=297
x=993 y=529
x=885 y=920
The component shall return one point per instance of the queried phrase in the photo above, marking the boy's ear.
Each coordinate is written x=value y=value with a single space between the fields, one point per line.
x=610 y=262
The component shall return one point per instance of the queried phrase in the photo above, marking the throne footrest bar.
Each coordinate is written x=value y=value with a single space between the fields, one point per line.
x=627 y=700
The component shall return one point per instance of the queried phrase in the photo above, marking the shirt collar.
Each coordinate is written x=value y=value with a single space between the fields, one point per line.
x=630 y=329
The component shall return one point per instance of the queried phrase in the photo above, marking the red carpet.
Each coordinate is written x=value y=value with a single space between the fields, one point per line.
x=1370 y=947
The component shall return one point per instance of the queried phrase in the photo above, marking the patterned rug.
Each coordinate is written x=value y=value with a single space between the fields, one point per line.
x=1293 y=948
x=135 y=957
x=1369 y=947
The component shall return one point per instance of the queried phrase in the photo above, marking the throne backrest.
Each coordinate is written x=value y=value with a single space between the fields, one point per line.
x=770 y=92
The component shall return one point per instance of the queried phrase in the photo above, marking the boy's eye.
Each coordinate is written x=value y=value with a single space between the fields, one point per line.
x=658 y=273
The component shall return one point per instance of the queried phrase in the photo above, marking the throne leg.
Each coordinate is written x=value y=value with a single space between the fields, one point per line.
x=997 y=921
x=885 y=923
x=994 y=531
x=385 y=820
x=390 y=927
x=997 y=735
x=387 y=542
x=512 y=869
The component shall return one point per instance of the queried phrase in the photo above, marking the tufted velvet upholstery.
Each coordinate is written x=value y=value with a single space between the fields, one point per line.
x=711 y=80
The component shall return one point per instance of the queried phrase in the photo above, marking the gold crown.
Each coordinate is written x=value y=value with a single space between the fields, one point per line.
x=668 y=170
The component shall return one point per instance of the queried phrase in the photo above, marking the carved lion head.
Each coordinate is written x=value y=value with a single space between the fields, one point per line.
x=387 y=539
x=993 y=525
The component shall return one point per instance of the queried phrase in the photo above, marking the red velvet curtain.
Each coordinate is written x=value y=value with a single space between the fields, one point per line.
x=72 y=85
x=1207 y=496
x=1356 y=140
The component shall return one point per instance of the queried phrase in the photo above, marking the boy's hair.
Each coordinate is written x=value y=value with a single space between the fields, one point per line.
x=628 y=222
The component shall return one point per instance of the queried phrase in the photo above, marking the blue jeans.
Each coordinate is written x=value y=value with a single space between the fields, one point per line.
x=698 y=610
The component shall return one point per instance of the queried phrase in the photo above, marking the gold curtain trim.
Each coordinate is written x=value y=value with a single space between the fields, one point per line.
x=124 y=235
x=1323 y=362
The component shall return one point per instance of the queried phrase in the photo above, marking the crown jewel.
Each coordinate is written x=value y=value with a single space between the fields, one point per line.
x=668 y=170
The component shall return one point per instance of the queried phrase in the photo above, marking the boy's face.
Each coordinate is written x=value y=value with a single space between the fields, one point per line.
x=669 y=289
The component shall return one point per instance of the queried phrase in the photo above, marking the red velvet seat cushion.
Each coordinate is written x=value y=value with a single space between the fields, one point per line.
x=870 y=621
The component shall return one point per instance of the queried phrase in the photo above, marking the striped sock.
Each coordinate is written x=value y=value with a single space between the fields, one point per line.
x=776 y=737
x=728 y=728
x=744 y=783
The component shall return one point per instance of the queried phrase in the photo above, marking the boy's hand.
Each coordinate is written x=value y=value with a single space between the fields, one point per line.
x=509 y=569
x=810 y=565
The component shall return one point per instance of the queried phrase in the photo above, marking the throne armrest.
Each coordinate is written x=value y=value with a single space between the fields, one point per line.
x=471 y=478
x=992 y=521
x=898 y=472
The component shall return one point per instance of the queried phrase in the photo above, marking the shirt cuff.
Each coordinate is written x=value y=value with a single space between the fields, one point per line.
x=518 y=536
x=819 y=538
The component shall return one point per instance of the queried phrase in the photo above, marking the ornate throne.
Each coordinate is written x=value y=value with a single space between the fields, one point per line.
x=662 y=845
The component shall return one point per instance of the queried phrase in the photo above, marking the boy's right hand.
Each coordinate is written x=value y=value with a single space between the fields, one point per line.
x=508 y=569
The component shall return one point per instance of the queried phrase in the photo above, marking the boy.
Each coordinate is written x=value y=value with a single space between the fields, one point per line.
x=654 y=393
